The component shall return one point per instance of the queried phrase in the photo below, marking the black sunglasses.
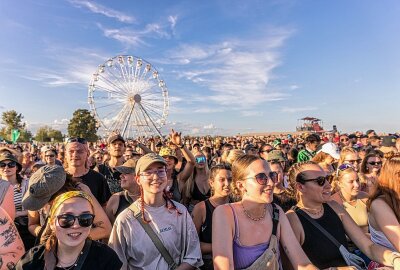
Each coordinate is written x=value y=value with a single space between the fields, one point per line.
x=10 y=164
x=77 y=139
x=67 y=220
x=319 y=180
x=375 y=163
x=263 y=178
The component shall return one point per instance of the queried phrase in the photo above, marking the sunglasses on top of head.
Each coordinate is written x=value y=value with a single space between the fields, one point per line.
x=67 y=220
x=319 y=180
x=263 y=178
x=10 y=164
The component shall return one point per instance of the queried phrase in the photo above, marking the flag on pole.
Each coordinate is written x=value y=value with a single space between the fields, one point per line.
x=15 y=135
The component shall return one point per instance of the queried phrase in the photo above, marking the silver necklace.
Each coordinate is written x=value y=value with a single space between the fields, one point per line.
x=73 y=265
x=253 y=218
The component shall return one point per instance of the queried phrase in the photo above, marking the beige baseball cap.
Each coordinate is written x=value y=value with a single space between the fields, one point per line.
x=145 y=161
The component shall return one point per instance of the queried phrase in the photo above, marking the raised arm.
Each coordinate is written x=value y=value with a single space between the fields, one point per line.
x=175 y=138
x=373 y=251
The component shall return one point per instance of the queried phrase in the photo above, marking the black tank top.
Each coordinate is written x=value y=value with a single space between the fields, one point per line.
x=206 y=227
x=124 y=202
x=322 y=252
x=198 y=196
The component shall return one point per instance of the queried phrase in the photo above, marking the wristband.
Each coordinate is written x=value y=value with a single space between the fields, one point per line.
x=181 y=146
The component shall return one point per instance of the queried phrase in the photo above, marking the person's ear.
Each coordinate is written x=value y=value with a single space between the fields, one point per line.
x=299 y=187
x=241 y=186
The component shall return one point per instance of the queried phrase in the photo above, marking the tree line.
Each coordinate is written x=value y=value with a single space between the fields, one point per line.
x=82 y=124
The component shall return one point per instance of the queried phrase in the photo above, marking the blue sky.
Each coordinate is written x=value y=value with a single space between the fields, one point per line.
x=230 y=66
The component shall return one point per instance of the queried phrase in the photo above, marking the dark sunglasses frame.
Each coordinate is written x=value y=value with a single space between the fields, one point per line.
x=66 y=221
x=373 y=163
x=263 y=178
x=10 y=164
x=77 y=139
x=319 y=180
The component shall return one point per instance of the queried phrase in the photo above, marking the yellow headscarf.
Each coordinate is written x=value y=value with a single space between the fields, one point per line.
x=68 y=195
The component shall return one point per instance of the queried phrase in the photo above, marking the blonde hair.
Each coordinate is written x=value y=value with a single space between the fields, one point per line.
x=337 y=177
x=345 y=151
x=233 y=155
x=239 y=172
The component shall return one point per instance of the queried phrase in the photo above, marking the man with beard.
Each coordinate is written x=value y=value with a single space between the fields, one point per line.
x=116 y=149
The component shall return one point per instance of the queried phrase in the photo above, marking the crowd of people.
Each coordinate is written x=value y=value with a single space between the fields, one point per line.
x=301 y=201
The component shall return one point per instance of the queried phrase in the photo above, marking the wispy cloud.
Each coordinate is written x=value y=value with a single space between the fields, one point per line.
x=100 y=9
x=134 y=37
x=298 y=109
x=237 y=71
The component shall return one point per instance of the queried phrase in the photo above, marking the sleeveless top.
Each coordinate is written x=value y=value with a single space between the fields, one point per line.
x=319 y=249
x=176 y=194
x=206 y=227
x=357 y=212
x=380 y=238
x=245 y=256
x=197 y=195
x=124 y=202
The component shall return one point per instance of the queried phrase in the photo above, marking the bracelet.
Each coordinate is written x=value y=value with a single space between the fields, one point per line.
x=395 y=255
x=181 y=146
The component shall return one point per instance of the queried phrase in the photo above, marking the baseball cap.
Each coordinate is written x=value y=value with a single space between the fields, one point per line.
x=168 y=151
x=276 y=142
x=275 y=155
x=249 y=147
x=128 y=167
x=46 y=148
x=145 y=161
x=115 y=137
x=331 y=149
x=43 y=184
x=388 y=141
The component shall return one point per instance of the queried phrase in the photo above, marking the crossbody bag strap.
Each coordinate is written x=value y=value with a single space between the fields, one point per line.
x=82 y=257
x=319 y=227
x=127 y=197
x=275 y=219
x=153 y=236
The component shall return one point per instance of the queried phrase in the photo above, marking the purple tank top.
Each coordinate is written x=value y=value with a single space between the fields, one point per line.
x=244 y=256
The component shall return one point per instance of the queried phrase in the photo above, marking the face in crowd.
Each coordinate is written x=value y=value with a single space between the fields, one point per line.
x=154 y=179
x=313 y=184
x=117 y=148
x=76 y=154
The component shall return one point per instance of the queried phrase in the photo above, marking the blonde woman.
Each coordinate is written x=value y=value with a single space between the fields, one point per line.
x=232 y=247
x=69 y=246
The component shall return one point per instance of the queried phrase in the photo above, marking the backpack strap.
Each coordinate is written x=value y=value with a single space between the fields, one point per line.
x=153 y=236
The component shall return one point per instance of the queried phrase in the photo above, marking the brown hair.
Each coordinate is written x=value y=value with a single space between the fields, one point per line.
x=388 y=186
x=364 y=168
x=295 y=174
x=239 y=171
x=320 y=157
x=215 y=170
x=233 y=155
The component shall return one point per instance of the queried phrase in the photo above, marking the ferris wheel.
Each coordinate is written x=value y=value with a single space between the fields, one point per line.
x=127 y=96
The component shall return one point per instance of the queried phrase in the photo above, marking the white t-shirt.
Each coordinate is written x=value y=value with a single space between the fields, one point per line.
x=177 y=232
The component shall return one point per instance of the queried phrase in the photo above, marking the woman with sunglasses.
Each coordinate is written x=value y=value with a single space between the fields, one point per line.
x=370 y=169
x=9 y=170
x=69 y=246
x=197 y=188
x=220 y=180
x=348 y=155
x=232 y=245
x=313 y=191
x=384 y=207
